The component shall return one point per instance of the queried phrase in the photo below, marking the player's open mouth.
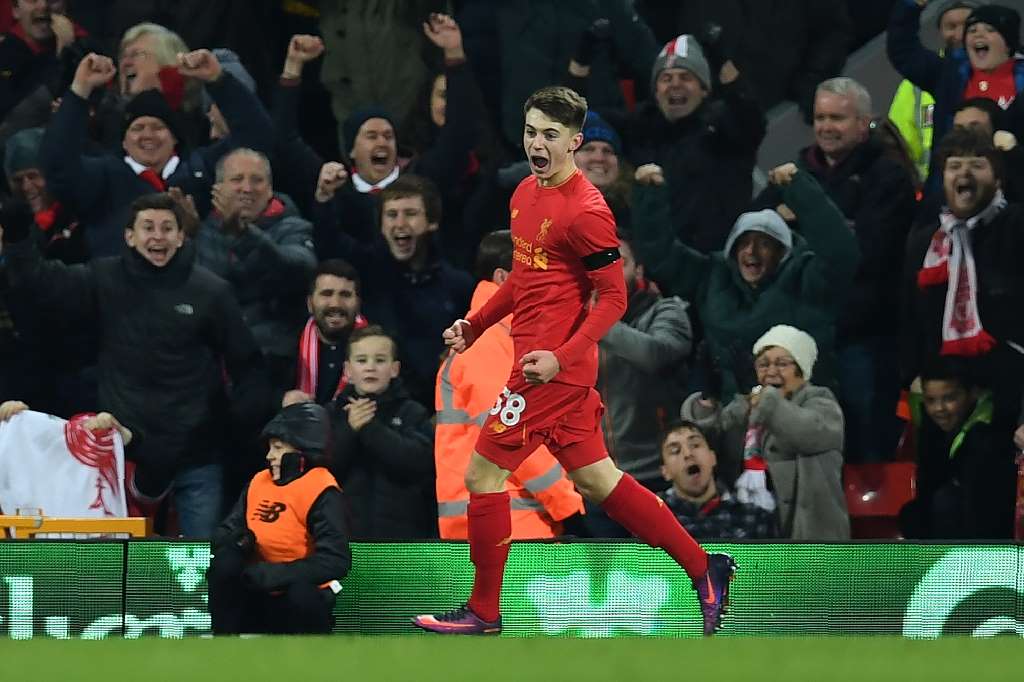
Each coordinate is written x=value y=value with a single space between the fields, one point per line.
x=692 y=470
x=539 y=162
x=380 y=157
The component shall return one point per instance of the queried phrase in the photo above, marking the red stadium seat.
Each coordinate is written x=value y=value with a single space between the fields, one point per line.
x=875 y=493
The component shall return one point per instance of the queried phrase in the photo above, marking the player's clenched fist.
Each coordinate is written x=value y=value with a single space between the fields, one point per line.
x=539 y=366
x=93 y=71
x=459 y=336
x=332 y=176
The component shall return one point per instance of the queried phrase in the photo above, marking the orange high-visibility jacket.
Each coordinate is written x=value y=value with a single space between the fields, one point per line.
x=467 y=386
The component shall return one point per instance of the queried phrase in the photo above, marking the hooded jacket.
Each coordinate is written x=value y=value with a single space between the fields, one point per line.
x=806 y=291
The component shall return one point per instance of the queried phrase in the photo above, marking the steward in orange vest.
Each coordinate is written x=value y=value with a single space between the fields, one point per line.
x=542 y=496
x=278 y=556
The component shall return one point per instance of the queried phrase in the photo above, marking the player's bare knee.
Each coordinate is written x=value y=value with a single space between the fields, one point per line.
x=596 y=481
x=484 y=476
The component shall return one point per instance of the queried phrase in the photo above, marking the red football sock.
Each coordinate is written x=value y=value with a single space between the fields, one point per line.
x=645 y=515
x=490 y=532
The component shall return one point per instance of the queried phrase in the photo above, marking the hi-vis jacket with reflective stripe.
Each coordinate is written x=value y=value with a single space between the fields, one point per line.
x=467 y=386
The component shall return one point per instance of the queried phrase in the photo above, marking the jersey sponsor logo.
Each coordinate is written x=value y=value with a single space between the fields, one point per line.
x=540 y=259
x=515 y=213
x=526 y=253
x=268 y=511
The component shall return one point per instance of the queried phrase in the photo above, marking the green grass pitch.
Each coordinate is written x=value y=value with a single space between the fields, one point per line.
x=428 y=658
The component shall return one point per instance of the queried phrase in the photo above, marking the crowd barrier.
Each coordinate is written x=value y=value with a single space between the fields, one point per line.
x=100 y=589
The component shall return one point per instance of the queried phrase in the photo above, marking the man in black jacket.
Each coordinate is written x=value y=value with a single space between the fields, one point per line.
x=409 y=288
x=278 y=556
x=168 y=330
x=384 y=445
x=963 y=287
x=703 y=128
x=876 y=195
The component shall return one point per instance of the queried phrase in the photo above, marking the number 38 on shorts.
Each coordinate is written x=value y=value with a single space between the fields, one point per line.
x=509 y=407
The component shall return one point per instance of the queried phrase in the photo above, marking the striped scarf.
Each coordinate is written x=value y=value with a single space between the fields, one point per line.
x=950 y=260
x=309 y=358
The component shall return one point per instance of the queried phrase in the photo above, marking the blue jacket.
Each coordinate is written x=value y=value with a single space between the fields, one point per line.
x=944 y=76
x=102 y=188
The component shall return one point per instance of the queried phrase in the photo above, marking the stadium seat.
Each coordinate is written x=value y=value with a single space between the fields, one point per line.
x=875 y=493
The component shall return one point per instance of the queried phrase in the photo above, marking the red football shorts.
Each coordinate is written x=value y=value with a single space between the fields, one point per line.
x=567 y=419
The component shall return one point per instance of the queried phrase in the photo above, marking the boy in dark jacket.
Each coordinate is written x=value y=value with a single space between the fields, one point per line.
x=965 y=464
x=279 y=554
x=384 y=448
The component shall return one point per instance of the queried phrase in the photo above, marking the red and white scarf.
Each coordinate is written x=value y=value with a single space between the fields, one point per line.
x=309 y=358
x=950 y=260
x=364 y=187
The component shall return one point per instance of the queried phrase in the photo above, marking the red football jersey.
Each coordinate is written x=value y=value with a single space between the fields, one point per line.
x=553 y=229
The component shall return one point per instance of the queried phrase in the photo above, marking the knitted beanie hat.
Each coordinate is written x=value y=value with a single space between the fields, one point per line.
x=799 y=343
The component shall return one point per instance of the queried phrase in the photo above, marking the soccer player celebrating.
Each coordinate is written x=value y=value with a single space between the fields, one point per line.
x=566 y=250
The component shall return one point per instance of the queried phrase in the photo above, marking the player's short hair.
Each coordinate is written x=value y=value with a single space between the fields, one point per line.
x=561 y=104
x=681 y=425
x=368 y=331
x=336 y=267
x=969 y=142
x=495 y=251
x=410 y=185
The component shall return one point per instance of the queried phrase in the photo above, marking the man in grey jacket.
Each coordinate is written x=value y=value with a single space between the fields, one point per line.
x=639 y=377
x=258 y=242
x=640 y=363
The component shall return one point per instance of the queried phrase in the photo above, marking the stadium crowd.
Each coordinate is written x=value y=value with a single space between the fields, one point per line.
x=214 y=211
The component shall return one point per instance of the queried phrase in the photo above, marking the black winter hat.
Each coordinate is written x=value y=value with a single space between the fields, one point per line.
x=350 y=128
x=152 y=103
x=1005 y=20
x=306 y=426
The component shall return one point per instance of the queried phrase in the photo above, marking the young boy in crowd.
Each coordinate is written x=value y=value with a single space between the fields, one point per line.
x=384 y=452
x=703 y=507
x=966 y=476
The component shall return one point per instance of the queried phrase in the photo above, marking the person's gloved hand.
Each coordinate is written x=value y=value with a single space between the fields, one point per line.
x=597 y=33
x=259 y=577
x=752 y=488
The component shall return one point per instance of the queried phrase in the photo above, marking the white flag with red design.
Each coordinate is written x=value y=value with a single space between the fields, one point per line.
x=61 y=468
